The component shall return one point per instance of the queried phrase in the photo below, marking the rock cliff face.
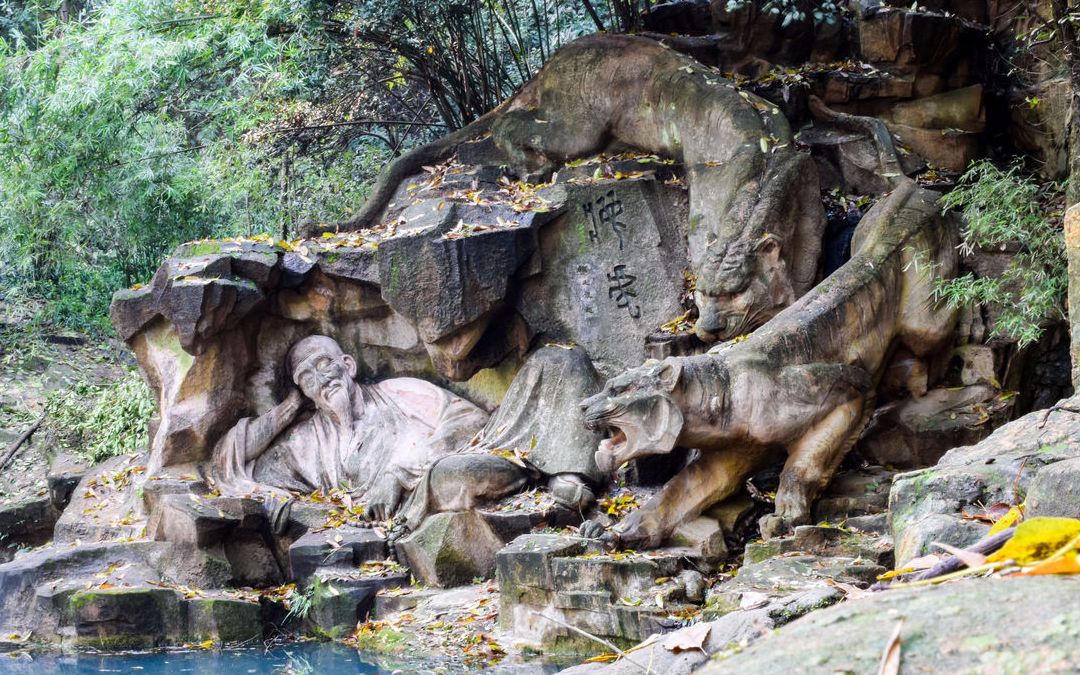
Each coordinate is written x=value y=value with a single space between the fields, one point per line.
x=452 y=288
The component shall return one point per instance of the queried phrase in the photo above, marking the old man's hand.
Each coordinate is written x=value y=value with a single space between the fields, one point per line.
x=383 y=499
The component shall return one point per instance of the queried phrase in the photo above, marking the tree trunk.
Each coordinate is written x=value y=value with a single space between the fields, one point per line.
x=1072 y=237
x=1071 y=52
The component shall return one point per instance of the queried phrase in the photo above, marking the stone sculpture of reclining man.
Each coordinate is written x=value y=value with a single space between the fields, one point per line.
x=374 y=441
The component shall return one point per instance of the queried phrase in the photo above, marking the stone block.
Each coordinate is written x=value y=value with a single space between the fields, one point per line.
x=339 y=604
x=939 y=51
x=26 y=523
x=188 y=519
x=126 y=618
x=854 y=493
x=408 y=598
x=339 y=548
x=833 y=541
x=450 y=549
x=735 y=513
x=946 y=148
x=941 y=637
x=251 y=559
x=629 y=576
x=704 y=536
x=526 y=563
x=223 y=620
x=613 y=266
x=65 y=472
x=977 y=364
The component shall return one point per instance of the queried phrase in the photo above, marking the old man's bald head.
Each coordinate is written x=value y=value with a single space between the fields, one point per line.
x=324 y=374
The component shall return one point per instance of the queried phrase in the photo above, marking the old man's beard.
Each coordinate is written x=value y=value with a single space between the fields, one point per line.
x=337 y=400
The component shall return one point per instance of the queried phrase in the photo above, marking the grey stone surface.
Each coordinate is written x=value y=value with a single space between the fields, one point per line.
x=939 y=632
x=26 y=522
x=338 y=604
x=735 y=630
x=125 y=618
x=223 y=620
x=930 y=504
x=854 y=493
x=540 y=415
x=704 y=536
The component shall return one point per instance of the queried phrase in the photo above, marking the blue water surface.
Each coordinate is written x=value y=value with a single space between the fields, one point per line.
x=311 y=658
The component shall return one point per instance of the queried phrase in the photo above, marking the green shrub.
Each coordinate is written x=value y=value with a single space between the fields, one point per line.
x=1007 y=209
x=101 y=421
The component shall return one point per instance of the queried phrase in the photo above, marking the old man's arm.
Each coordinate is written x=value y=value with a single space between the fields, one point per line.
x=237 y=451
x=265 y=428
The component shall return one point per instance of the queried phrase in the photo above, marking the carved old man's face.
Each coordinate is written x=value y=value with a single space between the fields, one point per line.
x=324 y=374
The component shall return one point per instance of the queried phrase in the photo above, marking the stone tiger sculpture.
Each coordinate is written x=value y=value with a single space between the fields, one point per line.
x=802 y=384
x=756 y=217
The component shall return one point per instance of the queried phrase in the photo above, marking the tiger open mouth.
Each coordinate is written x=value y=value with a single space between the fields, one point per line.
x=615 y=443
x=616 y=449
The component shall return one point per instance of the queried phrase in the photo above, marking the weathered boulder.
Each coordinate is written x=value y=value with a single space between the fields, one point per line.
x=105 y=505
x=935 y=504
x=546 y=581
x=146 y=617
x=30 y=582
x=614 y=265
x=937 y=631
x=704 y=536
x=232 y=530
x=759 y=583
x=450 y=549
x=223 y=620
x=65 y=472
x=854 y=493
x=825 y=542
x=1055 y=490
x=943 y=129
x=26 y=522
x=916 y=432
x=524 y=569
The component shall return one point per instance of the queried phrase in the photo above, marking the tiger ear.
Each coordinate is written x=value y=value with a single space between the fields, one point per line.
x=668 y=372
x=769 y=247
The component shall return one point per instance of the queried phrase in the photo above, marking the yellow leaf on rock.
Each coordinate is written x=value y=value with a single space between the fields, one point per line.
x=1012 y=517
x=603 y=658
x=1038 y=539
x=894 y=573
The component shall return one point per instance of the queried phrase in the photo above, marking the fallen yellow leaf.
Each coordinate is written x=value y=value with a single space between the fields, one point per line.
x=1008 y=520
x=1038 y=539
